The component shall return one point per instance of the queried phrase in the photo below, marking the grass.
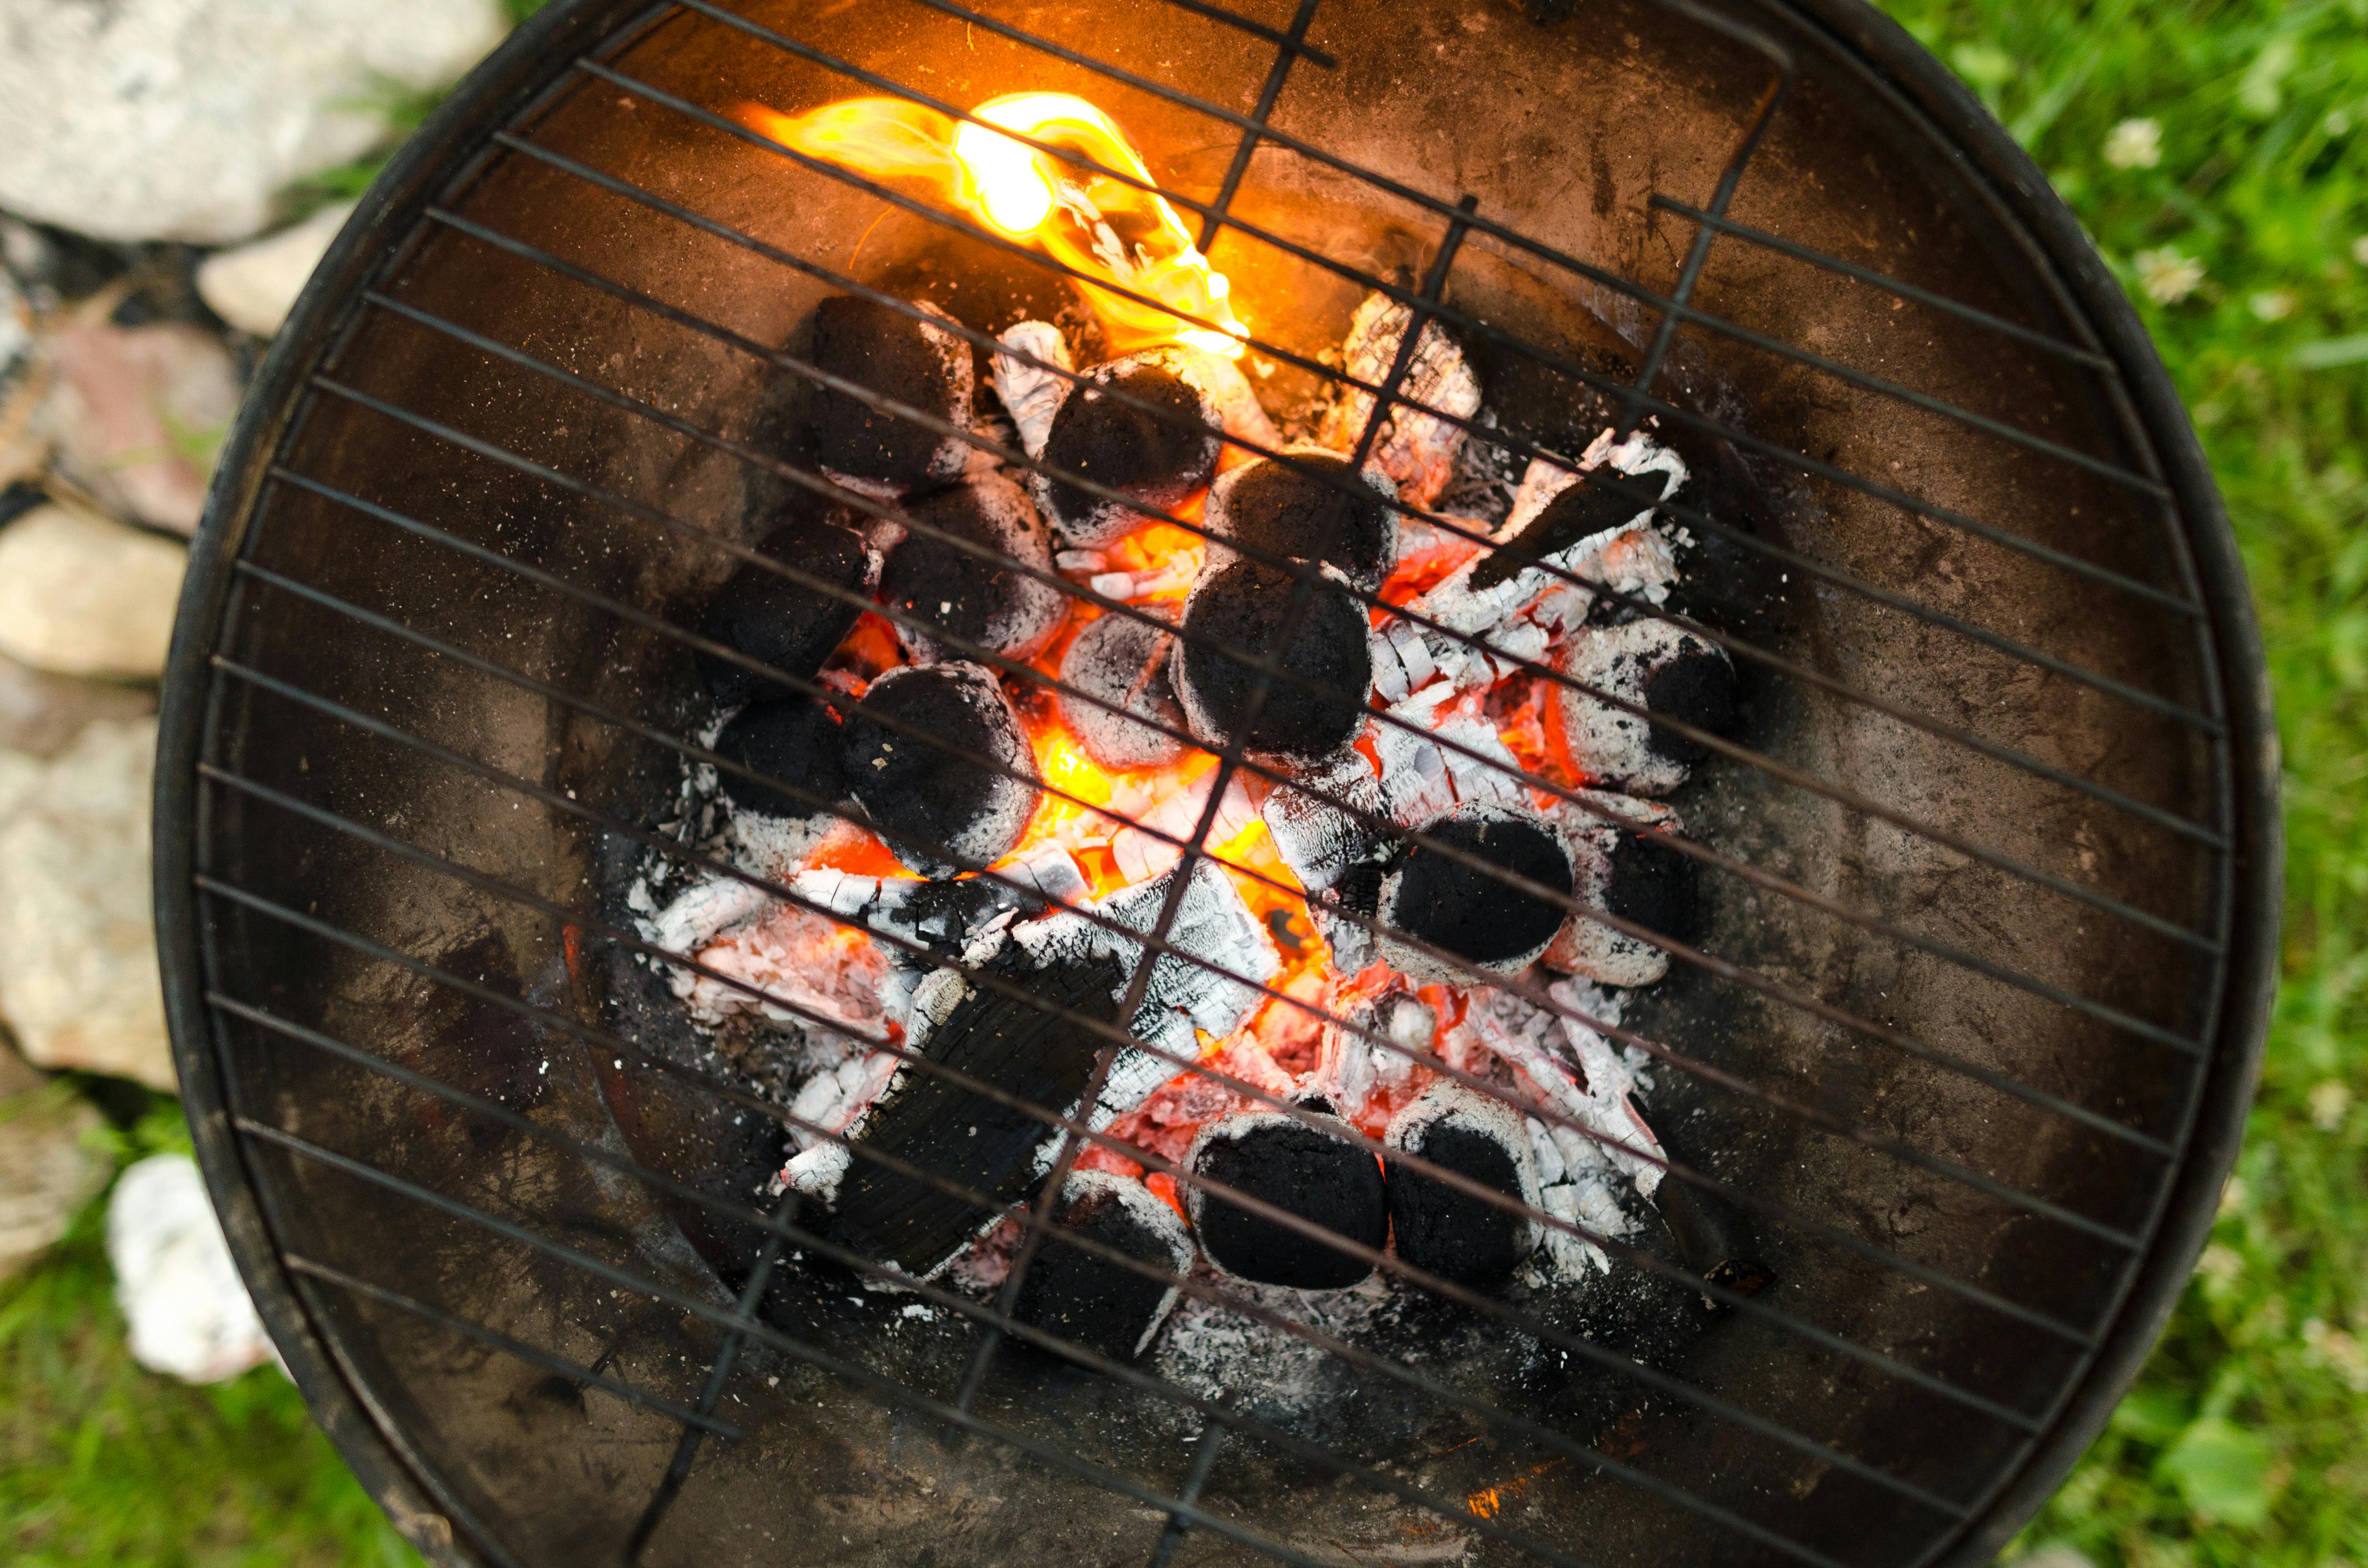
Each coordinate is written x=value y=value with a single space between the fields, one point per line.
x=2247 y=1439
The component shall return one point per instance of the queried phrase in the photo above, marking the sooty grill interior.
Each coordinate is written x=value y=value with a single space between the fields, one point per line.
x=1474 y=784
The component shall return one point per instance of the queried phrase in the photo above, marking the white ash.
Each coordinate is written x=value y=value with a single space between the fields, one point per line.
x=788 y=955
x=949 y=916
x=1570 y=1072
x=1213 y=990
x=1318 y=839
x=1612 y=746
x=817 y=1170
x=1032 y=394
x=1422 y=779
x=1352 y=1068
x=1416 y=449
x=1638 y=457
x=1212 y=1350
x=1152 y=841
x=1590 y=947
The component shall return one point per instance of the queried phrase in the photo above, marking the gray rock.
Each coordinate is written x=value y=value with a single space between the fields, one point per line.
x=253 y=287
x=182 y=119
x=79 y=980
x=85 y=595
x=46 y=1168
x=187 y=1309
x=138 y=414
x=41 y=714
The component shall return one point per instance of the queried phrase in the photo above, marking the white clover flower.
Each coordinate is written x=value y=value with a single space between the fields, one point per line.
x=2134 y=144
x=2359 y=250
x=2166 y=276
x=2272 y=305
x=2328 y=1101
x=2223 y=1266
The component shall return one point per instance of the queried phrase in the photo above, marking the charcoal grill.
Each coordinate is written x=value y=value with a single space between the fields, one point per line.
x=1950 y=1078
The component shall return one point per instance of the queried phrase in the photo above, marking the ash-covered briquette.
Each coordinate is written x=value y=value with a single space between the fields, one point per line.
x=1246 y=608
x=794 y=741
x=1318 y=1173
x=783 y=623
x=1633 y=875
x=1660 y=669
x=1155 y=459
x=899 y=355
x=990 y=604
x=1012 y=1042
x=1308 y=506
x=1124 y=662
x=941 y=811
x=1451 y=1232
x=1463 y=910
x=1091 y=1300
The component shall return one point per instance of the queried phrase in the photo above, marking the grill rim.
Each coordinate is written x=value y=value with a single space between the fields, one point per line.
x=539 y=57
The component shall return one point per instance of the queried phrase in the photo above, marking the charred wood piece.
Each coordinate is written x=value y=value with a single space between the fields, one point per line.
x=1352 y=1068
x=1123 y=661
x=914 y=786
x=1247 y=607
x=1091 y=1300
x=949 y=917
x=1031 y=395
x=1653 y=664
x=909 y=358
x=782 y=623
x=1319 y=1173
x=1012 y=1042
x=1448 y=904
x=1633 y=875
x=1415 y=450
x=988 y=603
x=1304 y=506
x=1439 y=1228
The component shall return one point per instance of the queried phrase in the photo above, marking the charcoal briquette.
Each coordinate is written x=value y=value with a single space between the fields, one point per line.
x=793 y=742
x=1439 y=1228
x=1092 y=1300
x=988 y=603
x=1480 y=917
x=1309 y=505
x=1668 y=672
x=1635 y=875
x=908 y=763
x=898 y=355
x=1124 y=662
x=1154 y=458
x=782 y=623
x=1318 y=1173
x=1247 y=606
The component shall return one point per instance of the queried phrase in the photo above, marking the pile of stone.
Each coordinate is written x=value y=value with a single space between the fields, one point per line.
x=155 y=228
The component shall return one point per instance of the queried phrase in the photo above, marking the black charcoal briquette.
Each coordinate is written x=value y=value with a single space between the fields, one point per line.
x=785 y=624
x=990 y=603
x=1309 y=506
x=1155 y=457
x=1441 y=1229
x=896 y=355
x=1124 y=662
x=1246 y=607
x=1318 y=1173
x=1635 y=875
x=909 y=751
x=1482 y=918
x=1092 y=1300
x=794 y=741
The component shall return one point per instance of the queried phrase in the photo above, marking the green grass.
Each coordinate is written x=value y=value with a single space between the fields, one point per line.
x=2246 y=1440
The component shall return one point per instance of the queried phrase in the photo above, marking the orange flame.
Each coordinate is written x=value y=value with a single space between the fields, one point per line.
x=1100 y=226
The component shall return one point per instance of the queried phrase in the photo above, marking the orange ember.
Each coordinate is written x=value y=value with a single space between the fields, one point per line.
x=1101 y=227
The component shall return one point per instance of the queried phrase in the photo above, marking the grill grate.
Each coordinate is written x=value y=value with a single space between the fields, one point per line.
x=210 y=879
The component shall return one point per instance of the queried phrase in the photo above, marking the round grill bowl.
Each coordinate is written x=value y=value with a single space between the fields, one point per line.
x=1987 y=925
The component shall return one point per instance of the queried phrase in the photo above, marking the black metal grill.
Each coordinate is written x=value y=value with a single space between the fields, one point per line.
x=301 y=1048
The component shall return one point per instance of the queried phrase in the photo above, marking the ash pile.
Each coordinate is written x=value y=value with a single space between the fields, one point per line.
x=1165 y=864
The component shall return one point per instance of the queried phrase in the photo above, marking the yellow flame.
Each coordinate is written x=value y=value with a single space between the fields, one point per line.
x=1103 y=227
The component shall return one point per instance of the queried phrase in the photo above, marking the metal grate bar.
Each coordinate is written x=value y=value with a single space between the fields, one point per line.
x=1741 y=1197
x=781 y=1229
x=1841 y=795
x=1584 y=1348
x=1204 y=1462
x=654 y=623
x=1292 y=46
x=1469 y=325
x=533 y=1356
x=1733 y=1082
x=2000 y=643
x=1999 y=325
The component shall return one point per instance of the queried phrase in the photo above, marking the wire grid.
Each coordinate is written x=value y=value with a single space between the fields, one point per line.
x=786 y=1225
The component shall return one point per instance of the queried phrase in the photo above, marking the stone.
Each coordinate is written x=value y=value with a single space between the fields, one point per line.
x=254 y=287
x=47 y=1166
x=41 y=714
x=82 y=595
x=185 y=119
x=138 y=414
x=78 y=979
x=188 y=1311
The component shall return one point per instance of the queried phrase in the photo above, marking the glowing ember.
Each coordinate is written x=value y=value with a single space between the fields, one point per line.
x=1101 y=226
